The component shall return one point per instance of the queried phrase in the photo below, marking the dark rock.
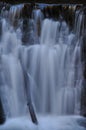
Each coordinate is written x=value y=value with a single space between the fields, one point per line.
x=82 y=122
x=44 y=1
x=52 y=11
x=4 y=6
x=27 y=11
x=60 y=12
x=83 y=101
x=27 y=32
x=2 y=115
x=83 y=93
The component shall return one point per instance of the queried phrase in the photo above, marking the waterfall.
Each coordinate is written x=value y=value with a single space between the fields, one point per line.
x=56 y=69
x=11 y=73
x=40 y=60
x=49 y=52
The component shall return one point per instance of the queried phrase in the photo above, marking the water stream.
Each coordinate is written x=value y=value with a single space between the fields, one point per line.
x=51 y=58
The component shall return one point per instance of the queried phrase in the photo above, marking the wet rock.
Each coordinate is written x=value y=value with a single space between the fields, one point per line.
x=83 y=100
x=69 y=15
x=4 y=6
x=27 y=11
x=27 y=32
x=82 y=122
x=83 y=94
x=60 y=12
x=52 y=11
x=48 y=1
x=57 y=10
x=2 y=115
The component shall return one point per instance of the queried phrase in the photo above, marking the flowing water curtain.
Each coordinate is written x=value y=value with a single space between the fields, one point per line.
x=55 y=67
x=50 y=58
x=13 y=81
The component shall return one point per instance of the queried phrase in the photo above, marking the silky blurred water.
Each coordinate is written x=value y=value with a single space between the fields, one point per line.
x=51 y=59
x=45 y=123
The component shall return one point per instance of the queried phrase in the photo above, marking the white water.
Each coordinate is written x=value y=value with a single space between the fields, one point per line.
x=55 y=67
x=45 y=123
x=54 y=75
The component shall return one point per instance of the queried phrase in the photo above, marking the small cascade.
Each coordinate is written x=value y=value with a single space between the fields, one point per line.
x=38 y=18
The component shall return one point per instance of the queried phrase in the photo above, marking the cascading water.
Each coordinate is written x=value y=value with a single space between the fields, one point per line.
x=51 y=60
x=55 y=67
